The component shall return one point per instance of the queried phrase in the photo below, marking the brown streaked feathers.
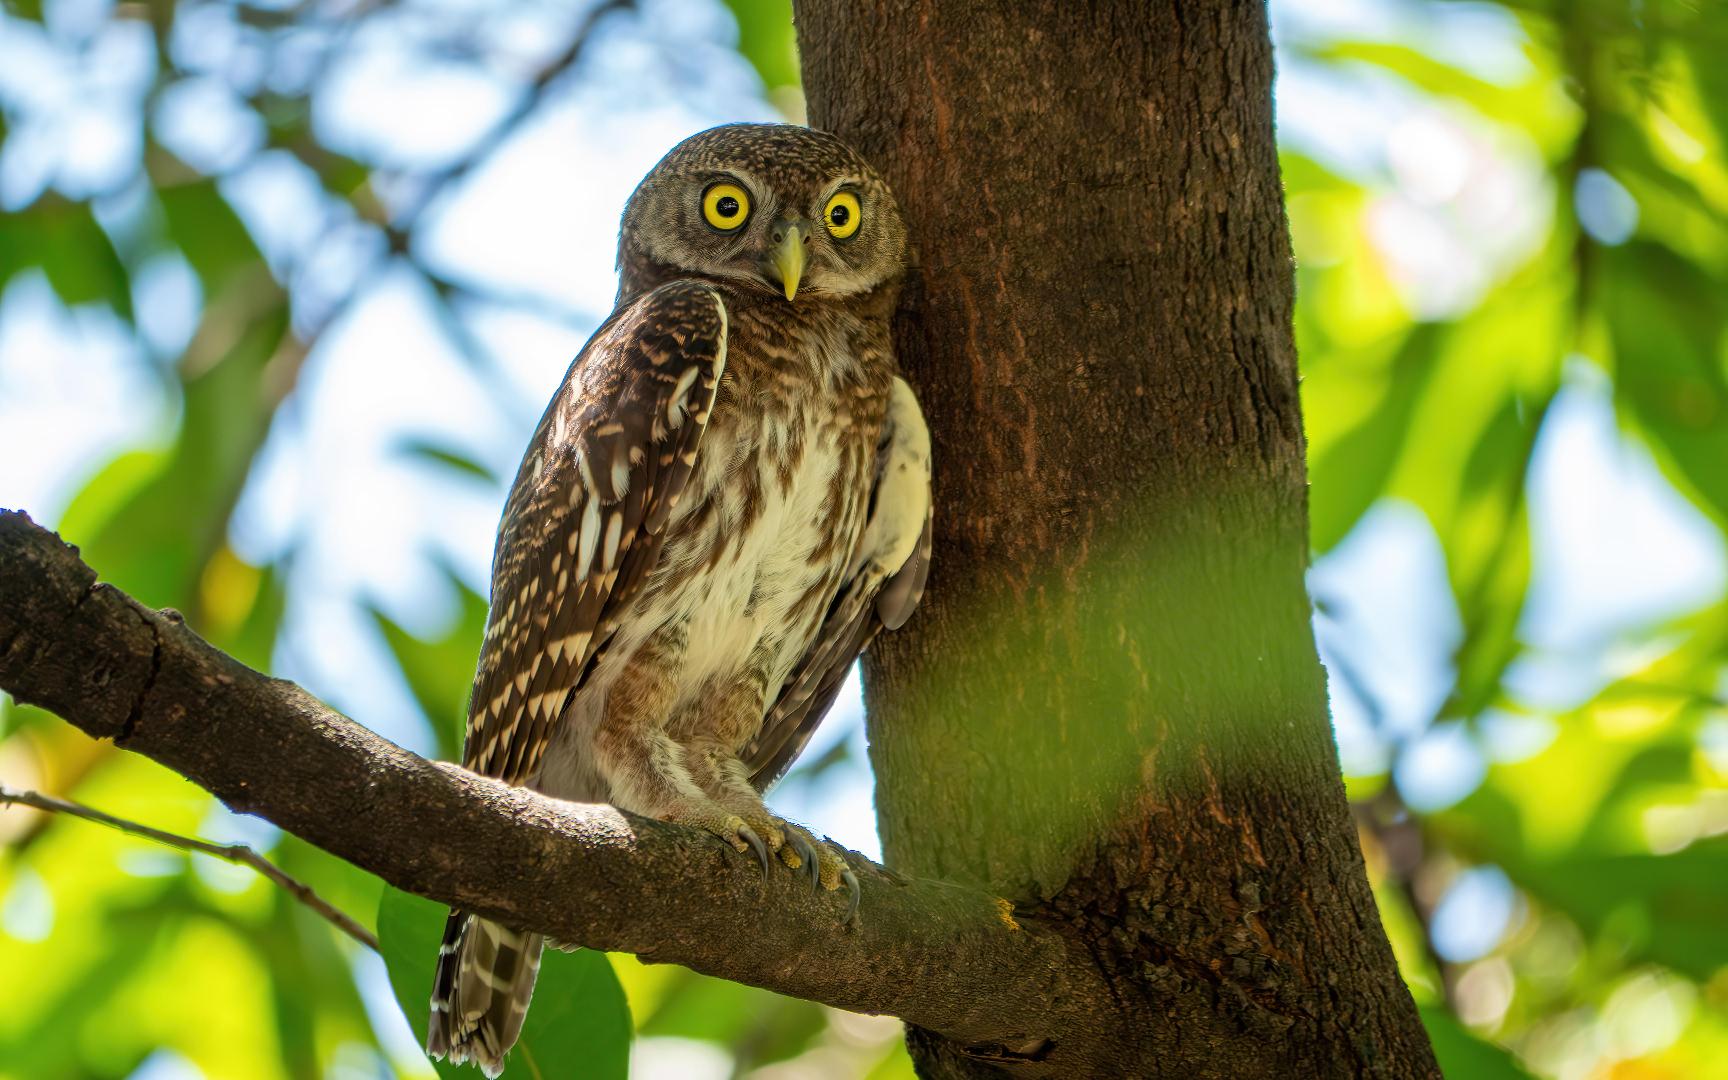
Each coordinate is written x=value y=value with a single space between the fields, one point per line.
x=726 y=500
x=587 y=515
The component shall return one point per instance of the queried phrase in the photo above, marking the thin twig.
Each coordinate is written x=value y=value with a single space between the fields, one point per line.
x=238 y=854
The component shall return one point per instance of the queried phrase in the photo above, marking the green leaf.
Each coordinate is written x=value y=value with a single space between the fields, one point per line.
x=157 y=540
x=73 y=250
x=311 y=983
x=766 y=39
x=15 y=718
x=1666 y=320
x=1531 y=105
x=1352 y=472
x=440 y=671
x=895 y=1065
x=288 y=123
x=110 y=488
x=1567 y=826
x=252 y=640
x=1669 y=908
x=1462 y=1055
x=1489 y=553
x=434 y=453
x=345 y=886
x=20 y=246
x=53 y=1045
x=1712 y=79
x=578 y=1025
x=758 y=1026
x=209 y=232
x=25 y=9
x=1676 y=206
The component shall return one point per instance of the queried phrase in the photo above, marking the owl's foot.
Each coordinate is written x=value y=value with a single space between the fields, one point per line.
x=729 y=827
x=748 y=835
x=822 y=865
x=753 y=828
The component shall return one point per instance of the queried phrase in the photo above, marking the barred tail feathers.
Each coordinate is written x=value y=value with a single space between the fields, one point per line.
x=480 y=993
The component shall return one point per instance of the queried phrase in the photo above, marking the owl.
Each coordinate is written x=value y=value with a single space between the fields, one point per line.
x=727 y=498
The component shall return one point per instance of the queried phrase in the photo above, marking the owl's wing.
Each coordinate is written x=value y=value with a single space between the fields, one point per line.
x=881 y=586
x=587 y=515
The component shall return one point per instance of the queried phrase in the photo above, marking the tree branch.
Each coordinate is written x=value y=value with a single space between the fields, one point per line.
x=239 y=854
x=945 y=957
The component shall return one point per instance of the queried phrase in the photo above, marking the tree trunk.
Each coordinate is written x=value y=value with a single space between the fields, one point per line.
x=1109 y=706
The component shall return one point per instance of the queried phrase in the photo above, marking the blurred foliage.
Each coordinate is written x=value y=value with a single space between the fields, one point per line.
x=1603 y=810
x=437 y=669
x=766 y=39
x=582 y=1025
x=1553 y=225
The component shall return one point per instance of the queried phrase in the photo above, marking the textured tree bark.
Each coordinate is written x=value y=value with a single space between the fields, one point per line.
x=1109 y=706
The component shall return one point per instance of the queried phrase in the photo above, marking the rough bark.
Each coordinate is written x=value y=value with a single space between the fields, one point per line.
x=1109 y=706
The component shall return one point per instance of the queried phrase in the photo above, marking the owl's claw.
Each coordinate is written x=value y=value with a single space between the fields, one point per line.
x=828 y=870
x=854 y=893
x=807 y=858
x=748 y=835
x=818 y=862
x=733 y=830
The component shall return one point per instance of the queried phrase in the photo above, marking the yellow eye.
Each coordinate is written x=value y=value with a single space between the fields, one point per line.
x=843 y=215
x=726 y=206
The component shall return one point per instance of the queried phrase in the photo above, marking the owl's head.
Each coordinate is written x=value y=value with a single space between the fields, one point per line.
x=768 y=207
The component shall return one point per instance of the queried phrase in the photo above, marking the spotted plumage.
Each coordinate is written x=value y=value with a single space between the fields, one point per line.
x=725 y=501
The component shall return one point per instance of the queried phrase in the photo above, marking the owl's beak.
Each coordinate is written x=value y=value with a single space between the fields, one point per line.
x=787 y=255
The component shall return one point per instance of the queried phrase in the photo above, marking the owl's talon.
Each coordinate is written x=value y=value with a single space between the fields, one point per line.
x=830 y=872
x=806 y=856
x=748 y=835
x=854 y=894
